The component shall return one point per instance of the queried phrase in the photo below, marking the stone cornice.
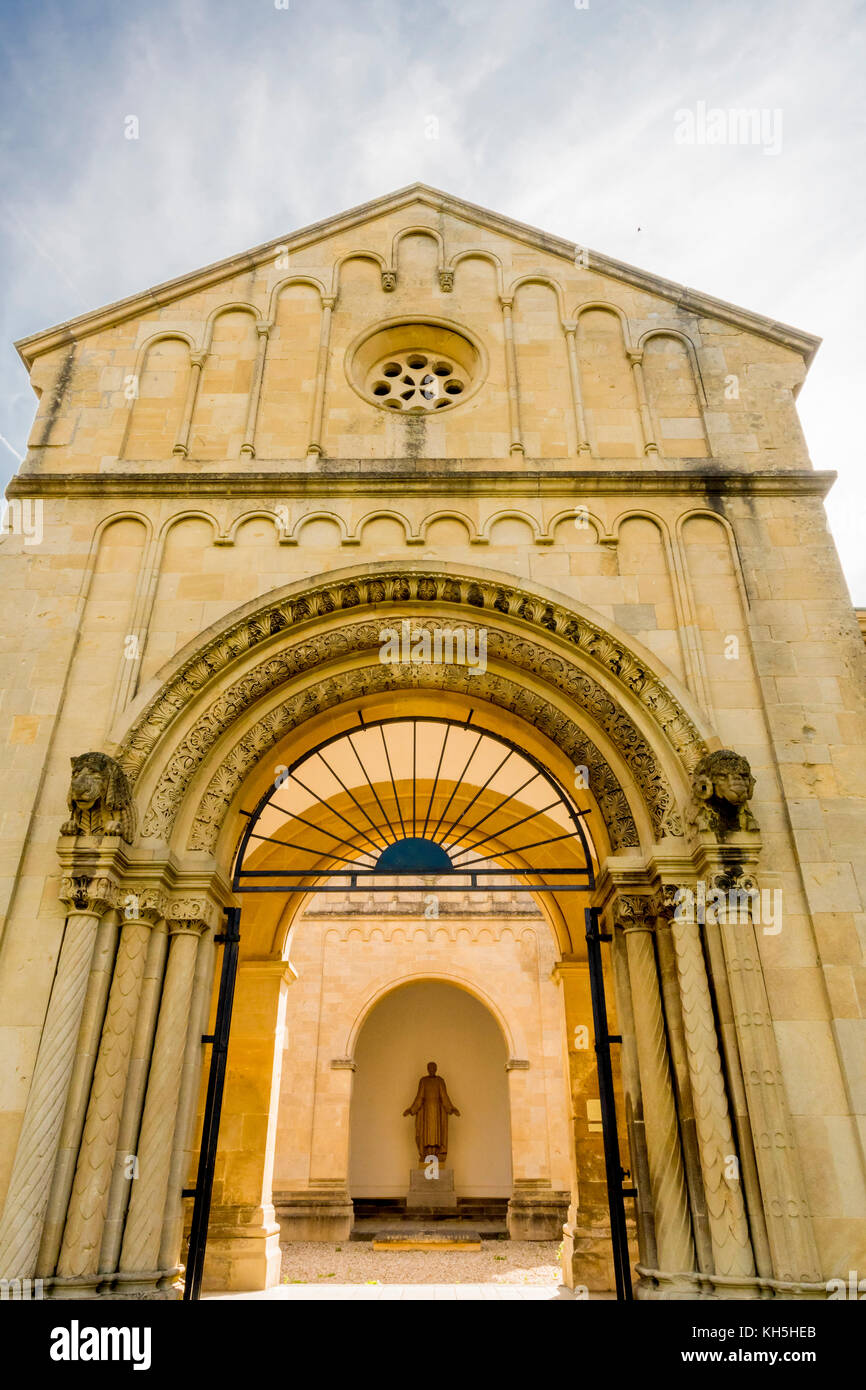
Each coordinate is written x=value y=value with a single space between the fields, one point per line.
x=440 y=204
x=428 y=476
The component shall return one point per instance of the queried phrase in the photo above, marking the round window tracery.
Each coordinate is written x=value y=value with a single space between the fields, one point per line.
x=416 y=381
x=416 y=368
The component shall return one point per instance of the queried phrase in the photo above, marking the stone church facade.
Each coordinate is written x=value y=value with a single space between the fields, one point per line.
x=420 y=416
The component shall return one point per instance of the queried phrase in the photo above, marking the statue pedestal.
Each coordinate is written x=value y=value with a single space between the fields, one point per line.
x=431 y=1192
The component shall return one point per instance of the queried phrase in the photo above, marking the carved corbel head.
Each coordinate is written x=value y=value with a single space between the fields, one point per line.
x=722 y=785
x=99 y=799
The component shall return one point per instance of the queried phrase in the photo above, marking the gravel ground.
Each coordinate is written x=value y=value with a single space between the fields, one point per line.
x=356 y=1262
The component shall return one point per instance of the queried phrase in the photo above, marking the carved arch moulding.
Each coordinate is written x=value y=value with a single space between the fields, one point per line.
x=489 y=600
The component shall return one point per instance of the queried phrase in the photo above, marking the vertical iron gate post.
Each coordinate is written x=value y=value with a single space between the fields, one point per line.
x=612 y=1163
x=219 y=1041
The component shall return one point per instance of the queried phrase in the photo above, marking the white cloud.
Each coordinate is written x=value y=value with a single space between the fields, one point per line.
x=255 y=121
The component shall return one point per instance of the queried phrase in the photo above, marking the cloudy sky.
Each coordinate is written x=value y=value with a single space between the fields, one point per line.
x=256 y=117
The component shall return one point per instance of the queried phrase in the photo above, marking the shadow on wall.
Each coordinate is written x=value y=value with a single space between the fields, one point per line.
x=416 y=1024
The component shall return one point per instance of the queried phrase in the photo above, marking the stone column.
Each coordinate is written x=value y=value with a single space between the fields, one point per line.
x=535 y=1211
x=315 y=444
x=184 y=1161
x=82 y=1237
x=683 y=1086
x=516 y=446
x=570 y=329
x=673 y=1227
x=789 y=1226
x=248 y=447
x=92 y=1015
x=586 y=1250
x=123 y=1177
x=646 y=1235
x=88 y=898
x=649 y=444
x=142 y=1236
x=729 y=1230
x=243 y=1250
x=739 y=1104
x=196 y=362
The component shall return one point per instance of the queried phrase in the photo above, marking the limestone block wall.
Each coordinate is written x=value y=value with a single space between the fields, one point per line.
x=489 y=1014
x=251 y=360
x=629 y=448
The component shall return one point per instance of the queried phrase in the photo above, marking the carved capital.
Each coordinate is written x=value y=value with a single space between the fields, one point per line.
x=94 y=896
x=635 y=356
x=666 y=901
x=191 y=916
x=633 y=912
x=142 y=905
x=198 y=359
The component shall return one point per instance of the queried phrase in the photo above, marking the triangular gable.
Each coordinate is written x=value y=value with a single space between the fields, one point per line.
x=692 y=300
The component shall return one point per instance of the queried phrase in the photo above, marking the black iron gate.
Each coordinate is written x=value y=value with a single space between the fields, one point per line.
x=394 y=852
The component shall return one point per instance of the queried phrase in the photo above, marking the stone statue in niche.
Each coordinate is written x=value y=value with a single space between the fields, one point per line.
x=99 y=800
x=723 y=785
x=431 y=1108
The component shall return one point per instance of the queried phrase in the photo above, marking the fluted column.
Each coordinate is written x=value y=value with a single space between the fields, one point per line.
x=186 y=919
x=729 y=1231
x=673 y=1227
x=182 y=1159
x=649 y=444
x=95 y=999
x=646 y=1236
x=315 y=444
x=30 y=1184
x=570 y=329
x=682 y=1086
x=196 y=362
x=739 y=1103
x=263 y=329
x=516 y=446
x=789 y=1225
x=82 y=1237
x=123 y=1178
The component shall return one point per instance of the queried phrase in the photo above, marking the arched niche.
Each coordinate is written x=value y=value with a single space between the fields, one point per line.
x=289 y=381
x=415 y=1023
x=673 y=396
x=157 y=410
x=609 y=396
x=222 y=400
x=542 y=372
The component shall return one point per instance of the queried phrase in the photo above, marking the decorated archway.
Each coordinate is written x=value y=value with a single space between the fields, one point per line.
x=593 y=715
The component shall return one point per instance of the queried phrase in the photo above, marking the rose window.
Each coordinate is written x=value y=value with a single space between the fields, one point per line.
x=416 y=368
x=416 y=381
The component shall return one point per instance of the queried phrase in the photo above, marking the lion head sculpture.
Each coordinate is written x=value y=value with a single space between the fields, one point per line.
x=100 y=802
x=723 y=785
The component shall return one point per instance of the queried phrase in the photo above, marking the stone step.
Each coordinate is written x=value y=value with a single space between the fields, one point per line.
x=468 y=1208
x=444 y=1238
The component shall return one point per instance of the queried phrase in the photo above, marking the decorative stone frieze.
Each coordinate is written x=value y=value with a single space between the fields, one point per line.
x=490 y=597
